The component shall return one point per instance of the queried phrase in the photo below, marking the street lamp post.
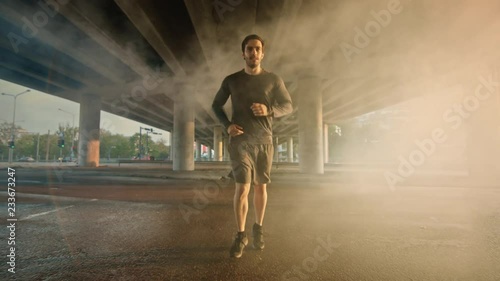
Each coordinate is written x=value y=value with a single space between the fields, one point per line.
x=71 y=155
x=140 y=139
x=148 y=130
x=13 y=130
x=147 y=139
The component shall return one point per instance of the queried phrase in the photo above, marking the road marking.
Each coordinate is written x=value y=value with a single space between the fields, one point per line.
x=29 y=181
x=45 y=213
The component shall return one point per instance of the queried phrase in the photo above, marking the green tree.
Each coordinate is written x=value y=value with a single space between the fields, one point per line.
x=142 y=140
x=114 y=145
x=69 y=135
x=25 y=146
x=105 y=142
x=159 y=149
x=122 y=149
x=24 y=142
x=6 y=132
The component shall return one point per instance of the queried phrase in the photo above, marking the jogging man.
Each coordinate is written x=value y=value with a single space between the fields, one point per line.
x=257 y=97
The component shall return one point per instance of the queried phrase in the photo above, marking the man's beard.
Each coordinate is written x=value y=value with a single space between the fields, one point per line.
x=251 y=63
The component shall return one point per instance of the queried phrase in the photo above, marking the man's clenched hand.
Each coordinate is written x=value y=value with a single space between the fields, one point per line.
x=259 y=109
x=234 y=130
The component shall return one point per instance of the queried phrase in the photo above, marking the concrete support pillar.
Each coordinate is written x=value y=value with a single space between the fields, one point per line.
x=184 y=129
x=218 y=148
x=289 y=149
x=326 y=144
x=310 y=125
x=333 y=142
x=172 y=151
x=89 y=132
x=209 y=153
x=198 y=150
x=226 y=149
x=276 y=157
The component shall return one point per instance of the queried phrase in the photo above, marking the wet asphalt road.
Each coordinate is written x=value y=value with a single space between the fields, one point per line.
x=95 y=226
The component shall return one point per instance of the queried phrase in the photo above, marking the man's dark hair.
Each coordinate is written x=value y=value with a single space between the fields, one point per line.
x=251 y=37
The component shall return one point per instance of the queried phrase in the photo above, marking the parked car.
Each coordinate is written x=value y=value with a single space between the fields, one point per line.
x=143 y=157
x=26 y=159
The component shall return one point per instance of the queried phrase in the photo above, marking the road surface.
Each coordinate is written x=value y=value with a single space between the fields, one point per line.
x=90 y=225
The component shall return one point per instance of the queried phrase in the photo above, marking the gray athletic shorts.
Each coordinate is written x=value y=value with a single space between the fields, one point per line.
x=251 y=163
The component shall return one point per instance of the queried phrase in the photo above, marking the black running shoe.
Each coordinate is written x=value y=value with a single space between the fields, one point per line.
x=239 y=244
x=258 y=237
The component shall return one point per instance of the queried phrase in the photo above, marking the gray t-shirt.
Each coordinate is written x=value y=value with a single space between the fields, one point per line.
x=245 y=89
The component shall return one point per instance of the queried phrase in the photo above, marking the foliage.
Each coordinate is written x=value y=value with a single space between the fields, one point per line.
x=114 y=146
x=111 y=145
x=159 y=149
x=6 y=132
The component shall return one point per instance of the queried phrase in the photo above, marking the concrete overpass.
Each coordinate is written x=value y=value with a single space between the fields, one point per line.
x=161 y=62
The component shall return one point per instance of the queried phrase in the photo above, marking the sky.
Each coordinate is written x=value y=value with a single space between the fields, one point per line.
x=38 y=112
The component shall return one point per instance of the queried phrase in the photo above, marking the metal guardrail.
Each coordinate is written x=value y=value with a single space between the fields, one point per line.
x=127 y=161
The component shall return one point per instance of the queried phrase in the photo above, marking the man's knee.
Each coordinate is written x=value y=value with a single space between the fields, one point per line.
x=259 y=188
x=242 y=189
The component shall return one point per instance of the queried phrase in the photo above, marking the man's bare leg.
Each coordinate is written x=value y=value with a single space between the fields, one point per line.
x=240 y=204
x=260 y=202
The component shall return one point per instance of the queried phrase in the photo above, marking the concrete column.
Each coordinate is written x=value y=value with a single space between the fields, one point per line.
x=332 y=143
x=289 y=149
x=326 y=144
x=209 y=153
x=218 y=148
x=276 y=157
x=89 y=132
x=198 y=150
x=172 y=150
x=184 y=129
x=226 y=149
x=310 y=125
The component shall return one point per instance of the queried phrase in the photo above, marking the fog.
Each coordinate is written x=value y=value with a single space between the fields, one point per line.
x=429 y=59
x=412 y=85
x=424 y=59
x=434 y=60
